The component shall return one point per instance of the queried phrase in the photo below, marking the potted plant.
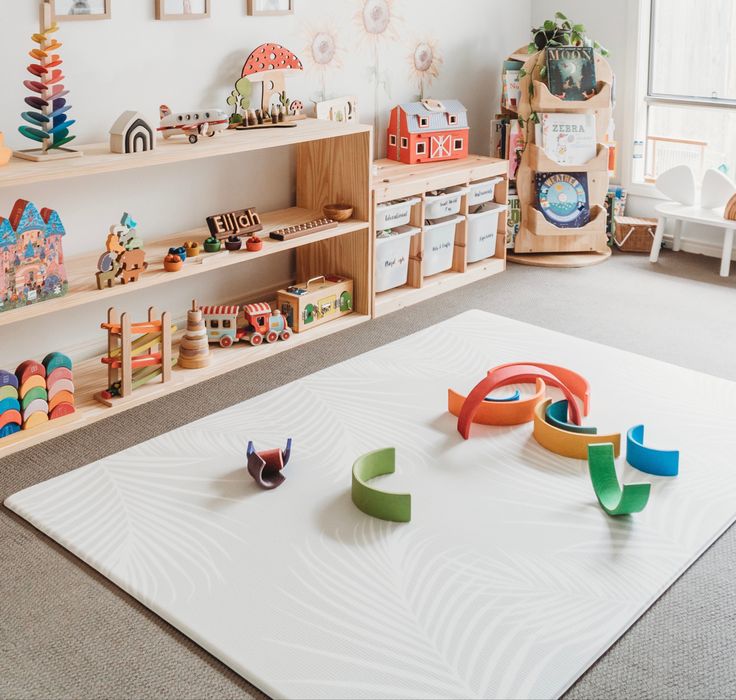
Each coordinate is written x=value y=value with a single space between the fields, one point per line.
x=560 y=31
x=254 y=244
x=173 y=263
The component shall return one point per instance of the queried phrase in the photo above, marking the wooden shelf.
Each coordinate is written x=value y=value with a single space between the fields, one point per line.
x=395 y=299
x=81 y=269
x=97 y=158
x=91 y=376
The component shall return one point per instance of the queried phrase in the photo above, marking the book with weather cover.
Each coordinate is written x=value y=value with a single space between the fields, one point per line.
x=563 y=198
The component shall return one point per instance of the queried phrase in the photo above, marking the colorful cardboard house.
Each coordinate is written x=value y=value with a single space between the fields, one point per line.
x=31 y=256
x=428 y=131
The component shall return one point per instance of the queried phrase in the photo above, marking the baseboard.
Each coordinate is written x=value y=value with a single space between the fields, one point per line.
x=697 y=247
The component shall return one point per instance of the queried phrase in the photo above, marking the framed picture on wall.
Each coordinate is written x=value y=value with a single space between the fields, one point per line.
x=270 y=7
x=76 y=10
x=182 y=9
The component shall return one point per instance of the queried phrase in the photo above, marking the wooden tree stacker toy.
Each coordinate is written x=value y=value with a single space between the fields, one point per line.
x=47 y=121
x=132 y=363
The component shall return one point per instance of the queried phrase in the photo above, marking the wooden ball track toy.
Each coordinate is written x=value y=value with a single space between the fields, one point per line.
x=298 y=230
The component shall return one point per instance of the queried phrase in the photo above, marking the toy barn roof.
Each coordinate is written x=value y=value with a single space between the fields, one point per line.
x=7 y=234
x=438 y=120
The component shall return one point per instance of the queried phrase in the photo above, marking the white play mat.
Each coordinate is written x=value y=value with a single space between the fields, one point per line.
x=508 y=582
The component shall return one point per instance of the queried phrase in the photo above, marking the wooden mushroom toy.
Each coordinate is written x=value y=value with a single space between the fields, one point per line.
x=270 y=64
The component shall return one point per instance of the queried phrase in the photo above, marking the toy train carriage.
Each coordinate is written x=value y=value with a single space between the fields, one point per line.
x=320 y=300
x=260 y=323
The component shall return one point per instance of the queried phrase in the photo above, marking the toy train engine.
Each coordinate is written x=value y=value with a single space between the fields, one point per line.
x=262 y=323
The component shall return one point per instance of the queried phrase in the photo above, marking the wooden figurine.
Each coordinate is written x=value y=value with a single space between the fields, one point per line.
x=47 y=122
x=194 y=348
x=133 y=362
x=319 y=300
x=131 y=133
x=234 y=223
x=269 y=64
x=341 y=109
x=265 y=467
x=428 y=131
x=124 y=258
x=31 y=256
x=205 y=122
x=5 y=152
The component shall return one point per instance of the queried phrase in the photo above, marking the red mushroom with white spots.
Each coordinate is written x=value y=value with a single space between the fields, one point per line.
x=270 y=64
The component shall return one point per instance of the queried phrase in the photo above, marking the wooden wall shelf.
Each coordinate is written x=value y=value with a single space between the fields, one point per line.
x=392 y=180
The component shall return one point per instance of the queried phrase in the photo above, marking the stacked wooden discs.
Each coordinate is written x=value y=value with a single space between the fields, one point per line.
x=59 y=385
x=33 y=396
x=194 y=348
x=11 y=419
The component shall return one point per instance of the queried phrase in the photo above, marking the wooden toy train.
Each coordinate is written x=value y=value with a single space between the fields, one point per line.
x=260 y=323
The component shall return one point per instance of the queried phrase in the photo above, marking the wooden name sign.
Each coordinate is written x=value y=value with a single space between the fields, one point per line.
x=235 y=223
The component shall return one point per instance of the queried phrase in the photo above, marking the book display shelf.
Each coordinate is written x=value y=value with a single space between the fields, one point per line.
x=394 y=181
x=333 y=164
x=539 y=242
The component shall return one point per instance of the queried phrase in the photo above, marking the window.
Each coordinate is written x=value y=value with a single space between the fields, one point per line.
x=404 y=142
x=421 y=148
x=214 y=323
x=424 y=122
x=452 y=119
x=458 y=144
x=687 y=99
x=227 y=323
x=392 y=140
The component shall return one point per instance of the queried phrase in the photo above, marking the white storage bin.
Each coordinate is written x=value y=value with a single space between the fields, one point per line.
x=392 y=258
x=482 y=192
x=391 y=215
x=445 y=204
x=439 y=244
x=482 y=230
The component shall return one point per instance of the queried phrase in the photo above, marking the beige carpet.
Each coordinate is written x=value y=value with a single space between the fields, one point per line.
x=65 y=632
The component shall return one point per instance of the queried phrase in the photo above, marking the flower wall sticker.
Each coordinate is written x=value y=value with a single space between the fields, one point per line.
x=379 y=23
x=425 y=61
x=323 y=53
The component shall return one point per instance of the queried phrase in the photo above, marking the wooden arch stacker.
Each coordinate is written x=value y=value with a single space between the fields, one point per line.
x=137 y=353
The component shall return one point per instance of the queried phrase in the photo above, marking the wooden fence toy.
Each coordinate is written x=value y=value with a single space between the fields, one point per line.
x=134 y=361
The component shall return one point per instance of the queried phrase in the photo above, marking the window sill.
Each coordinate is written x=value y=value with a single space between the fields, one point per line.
x=644 y=189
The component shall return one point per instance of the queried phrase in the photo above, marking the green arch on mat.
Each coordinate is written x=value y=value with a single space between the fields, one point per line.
x=395 y=507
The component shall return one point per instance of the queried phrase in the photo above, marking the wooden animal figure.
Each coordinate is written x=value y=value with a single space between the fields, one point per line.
x=132 y=264
x=106 y=278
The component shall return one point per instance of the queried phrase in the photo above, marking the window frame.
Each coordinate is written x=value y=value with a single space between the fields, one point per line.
x=458 y=140
x=423 y=122
x=423 y=152
x=404 y=142
x=452 y=119
x=392 y=140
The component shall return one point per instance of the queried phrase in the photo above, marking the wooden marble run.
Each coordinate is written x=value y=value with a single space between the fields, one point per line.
x=133 y=362
x=36 y=393
x=394 y=507
x=47 y=123
x=266 y=467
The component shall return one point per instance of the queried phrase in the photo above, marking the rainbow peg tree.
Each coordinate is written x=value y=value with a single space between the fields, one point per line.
x=47 y=122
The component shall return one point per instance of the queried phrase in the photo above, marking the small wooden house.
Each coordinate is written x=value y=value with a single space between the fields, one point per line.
x=428 y=131
x=132 y=133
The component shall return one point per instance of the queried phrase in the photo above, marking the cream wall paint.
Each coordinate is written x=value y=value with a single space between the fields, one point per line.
x=614 y=28
x=135 y=62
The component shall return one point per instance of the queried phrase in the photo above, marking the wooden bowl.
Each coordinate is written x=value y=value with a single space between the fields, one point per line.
x=338 y=212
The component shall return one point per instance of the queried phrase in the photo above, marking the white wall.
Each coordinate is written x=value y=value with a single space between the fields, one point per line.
x=135 y=62
x=612 y=25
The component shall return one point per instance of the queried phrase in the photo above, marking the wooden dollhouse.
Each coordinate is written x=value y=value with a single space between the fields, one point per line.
x=428 y=131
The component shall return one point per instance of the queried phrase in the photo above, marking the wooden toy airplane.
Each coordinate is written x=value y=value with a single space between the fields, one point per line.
x=192 y=124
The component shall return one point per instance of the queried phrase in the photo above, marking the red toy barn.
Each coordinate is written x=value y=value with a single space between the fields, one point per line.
x=428 y=131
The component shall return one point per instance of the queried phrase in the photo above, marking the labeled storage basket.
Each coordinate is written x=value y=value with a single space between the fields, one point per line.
x=391 y=215
x=482 y=230
x=447 y=203
x=392 y=258
x=633 y=235
x=439 y=244
x=482 y=192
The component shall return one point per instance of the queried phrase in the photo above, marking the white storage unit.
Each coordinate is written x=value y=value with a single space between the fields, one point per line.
x=392 y=215
x=439 y=244
x=392 y=258
x=445 y=204
x=482 y=192
x=482 y=230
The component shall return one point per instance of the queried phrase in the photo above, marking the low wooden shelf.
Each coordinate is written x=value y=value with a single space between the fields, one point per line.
x=90 y=377
x=81 y=269
x=392 y=180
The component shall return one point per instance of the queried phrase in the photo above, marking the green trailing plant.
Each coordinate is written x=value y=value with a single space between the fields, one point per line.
x=561 y=31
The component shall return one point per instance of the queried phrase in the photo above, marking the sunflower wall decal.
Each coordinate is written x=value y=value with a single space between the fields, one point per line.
x=425 y=62
x=379 y=25
x=324 y=55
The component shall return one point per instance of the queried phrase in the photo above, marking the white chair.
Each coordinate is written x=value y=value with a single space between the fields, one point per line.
x=678 y=184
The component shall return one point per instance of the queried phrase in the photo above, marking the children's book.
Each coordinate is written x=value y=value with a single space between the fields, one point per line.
x=563 y=198
x=511 y=91
x=515 y=147
x=571 y=72
x=513 y=221
x=569 y=139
